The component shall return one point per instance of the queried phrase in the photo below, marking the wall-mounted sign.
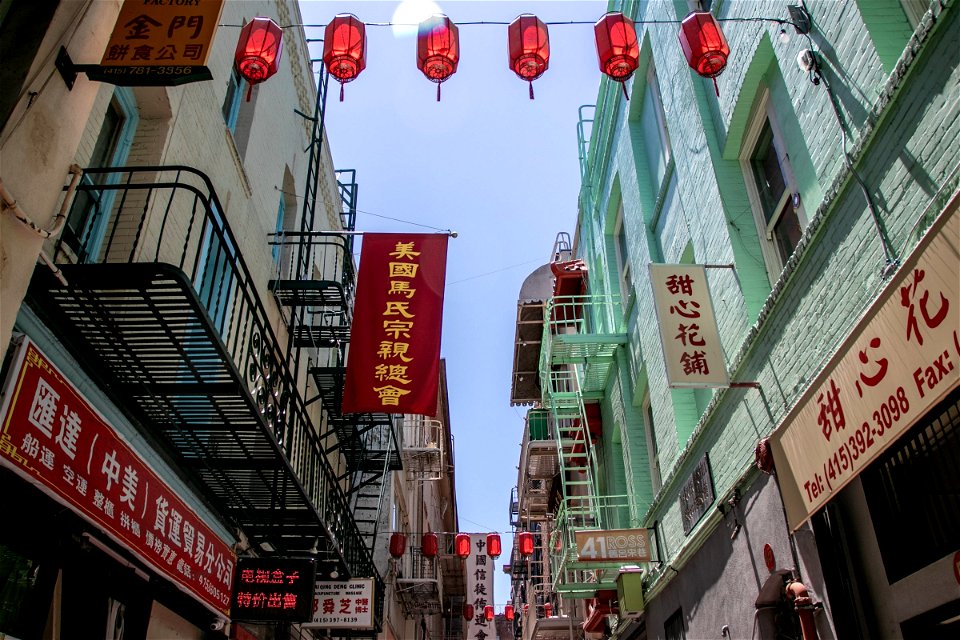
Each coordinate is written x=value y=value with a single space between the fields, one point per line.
x=628 y=545
x=692 y=351
x=159 y=43
x=900 y=361
x=696 y=494
x=343 y=605
x=273 y=589
x=55 y=439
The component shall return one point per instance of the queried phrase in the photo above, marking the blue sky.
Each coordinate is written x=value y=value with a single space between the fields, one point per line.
x=487 y=162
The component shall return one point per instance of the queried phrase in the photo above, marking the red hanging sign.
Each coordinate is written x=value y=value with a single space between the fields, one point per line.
x=54 y=438
x=394 y=360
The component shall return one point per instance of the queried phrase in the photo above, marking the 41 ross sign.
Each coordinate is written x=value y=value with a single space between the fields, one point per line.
x=632 y=545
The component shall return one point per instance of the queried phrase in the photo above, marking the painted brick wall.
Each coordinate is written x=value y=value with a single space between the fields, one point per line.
x=905 y=152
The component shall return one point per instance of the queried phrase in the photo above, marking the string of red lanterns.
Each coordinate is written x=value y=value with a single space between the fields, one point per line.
x=429 y=545
x=528 y=46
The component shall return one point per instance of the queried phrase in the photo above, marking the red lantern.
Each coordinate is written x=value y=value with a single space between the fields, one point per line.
x=428 y=545
x=493 y=545
x=617 y=47
x=703 y=45
x=529 y=43
x=438 y=49
x=508 y=612
x=488 y=613
x=468 y=612
x=461 y=545
x=398 y=543
x=525 y=543
x=258 y=50
x=345 y=48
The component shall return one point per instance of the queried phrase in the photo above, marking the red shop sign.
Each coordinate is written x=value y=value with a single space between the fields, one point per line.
x=55 y=439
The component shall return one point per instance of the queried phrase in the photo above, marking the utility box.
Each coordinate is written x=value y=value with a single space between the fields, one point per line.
x=630 y=592
x=539 y=427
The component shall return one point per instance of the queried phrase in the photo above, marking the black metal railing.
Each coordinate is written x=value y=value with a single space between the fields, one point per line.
x=171 y=215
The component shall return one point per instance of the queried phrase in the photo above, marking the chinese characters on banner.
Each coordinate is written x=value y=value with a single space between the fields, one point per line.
x=394 y=360
x=55 y=439
x=274 y=589
x=902 y=358
x=160 y=43
x=343 y=605
x=480 y=568
x=688 y=329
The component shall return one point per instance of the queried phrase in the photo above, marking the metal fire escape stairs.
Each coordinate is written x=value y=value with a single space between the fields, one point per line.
x=321 y=312
x=580 y=337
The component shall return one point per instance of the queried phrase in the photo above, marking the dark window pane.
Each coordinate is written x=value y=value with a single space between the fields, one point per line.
x=767 y=172
x=787 y=231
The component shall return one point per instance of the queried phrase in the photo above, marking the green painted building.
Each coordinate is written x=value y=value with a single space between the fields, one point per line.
x=812 y=189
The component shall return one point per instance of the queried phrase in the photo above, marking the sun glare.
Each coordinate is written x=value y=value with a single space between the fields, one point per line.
x=409 y=14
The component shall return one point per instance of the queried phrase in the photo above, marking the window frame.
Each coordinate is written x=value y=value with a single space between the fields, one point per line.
x=624 y=271
x=653 y=451
x=763 y=114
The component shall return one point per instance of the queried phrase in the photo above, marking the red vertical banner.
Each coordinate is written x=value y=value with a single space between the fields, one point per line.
x=394 y=360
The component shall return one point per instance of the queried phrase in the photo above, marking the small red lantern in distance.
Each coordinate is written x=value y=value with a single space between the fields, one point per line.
x=462 y=545
x=468 y=612
x=258 y=51
x=428 y=545
x=508 y=612
x=488 y=613
x=618 y=50
x=704 y=45
x=493 y=545
x=529 y=43
x=438 y=49
x=525 y=543
x=345 y=48
x=398 y=543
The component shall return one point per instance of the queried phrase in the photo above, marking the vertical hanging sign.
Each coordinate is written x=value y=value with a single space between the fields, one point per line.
x=480 y=568
x=688 y=327
x=394 y=360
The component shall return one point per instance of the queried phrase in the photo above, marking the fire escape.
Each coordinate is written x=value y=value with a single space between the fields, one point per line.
x=581 y=334
x=167 y=317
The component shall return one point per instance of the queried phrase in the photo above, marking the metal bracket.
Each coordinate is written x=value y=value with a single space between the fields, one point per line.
x=68 y=70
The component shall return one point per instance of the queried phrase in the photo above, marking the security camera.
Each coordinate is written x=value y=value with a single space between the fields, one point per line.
x=807 y=60
x=218 y=624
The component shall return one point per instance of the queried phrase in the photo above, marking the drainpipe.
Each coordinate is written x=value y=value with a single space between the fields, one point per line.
x=803 y=604
x=9 y=203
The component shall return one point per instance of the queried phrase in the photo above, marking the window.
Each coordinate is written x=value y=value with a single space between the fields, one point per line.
x=773 y=191
x=673 y=627
x=652 y=452
x=915 y=9
x=623 y=261
x=231 y=103
x=278 y=229
x=655 y=135
x=87 y=219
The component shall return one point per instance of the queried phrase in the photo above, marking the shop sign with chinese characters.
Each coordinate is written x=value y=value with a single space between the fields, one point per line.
x=159 y=43
x=54 y=438
x=688 y=329
x=480 y=568
x=613 y=544
x=274 y=589
x=394 y=363
x=902 y=358
x=343 y=605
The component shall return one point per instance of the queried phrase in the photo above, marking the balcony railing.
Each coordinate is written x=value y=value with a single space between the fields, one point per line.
x=165 y=308
x=582 y=331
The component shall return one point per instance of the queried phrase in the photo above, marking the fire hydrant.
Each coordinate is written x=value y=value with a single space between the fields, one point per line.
x=804 y=606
